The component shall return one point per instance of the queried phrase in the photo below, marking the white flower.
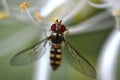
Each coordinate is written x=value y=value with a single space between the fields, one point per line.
x=109 y=54
x=61 y=9
x=112 y=6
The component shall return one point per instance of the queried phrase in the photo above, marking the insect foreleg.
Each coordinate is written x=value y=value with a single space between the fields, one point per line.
x=48 y=38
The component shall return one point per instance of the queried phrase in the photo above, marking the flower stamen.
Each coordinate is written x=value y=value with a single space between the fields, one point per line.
x=54 y=20
x=38 y=17
x=24 y=5
x=4 y=15
x=116 y=12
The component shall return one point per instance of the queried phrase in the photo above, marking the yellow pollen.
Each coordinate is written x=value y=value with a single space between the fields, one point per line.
x=54 y=20
x=38 y=17
x=3 y=15
x=23 y=5
x=116 y=12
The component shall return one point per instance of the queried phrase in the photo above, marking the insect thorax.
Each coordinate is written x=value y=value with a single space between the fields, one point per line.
x=57 y=37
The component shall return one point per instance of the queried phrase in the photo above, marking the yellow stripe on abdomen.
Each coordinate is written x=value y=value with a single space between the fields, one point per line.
x=55 y=56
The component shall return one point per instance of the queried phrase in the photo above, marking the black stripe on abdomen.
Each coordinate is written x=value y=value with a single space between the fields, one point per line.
x=55 y=57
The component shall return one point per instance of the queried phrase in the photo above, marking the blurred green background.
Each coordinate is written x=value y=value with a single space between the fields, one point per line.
x=15 y=35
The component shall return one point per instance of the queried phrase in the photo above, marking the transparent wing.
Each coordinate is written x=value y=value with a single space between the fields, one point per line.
x=29 y=54
x=79 y=62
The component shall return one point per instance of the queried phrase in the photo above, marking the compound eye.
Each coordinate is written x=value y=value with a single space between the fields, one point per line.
x=53 y=27
x=62 y=28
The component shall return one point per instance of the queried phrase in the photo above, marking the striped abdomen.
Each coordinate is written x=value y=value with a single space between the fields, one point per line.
x=55 y=56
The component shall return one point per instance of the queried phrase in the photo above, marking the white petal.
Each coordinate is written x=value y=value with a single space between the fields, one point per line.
x=108 y=58
x=97 y=22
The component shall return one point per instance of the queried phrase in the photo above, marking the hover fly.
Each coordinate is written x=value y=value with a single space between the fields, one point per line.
x=58 y=45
